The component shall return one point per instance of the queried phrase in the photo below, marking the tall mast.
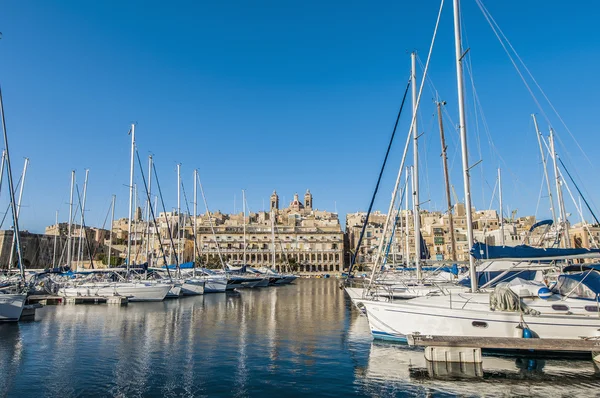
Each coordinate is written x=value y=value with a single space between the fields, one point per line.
x=130 y=198
x=414 y=208
x=14 y=239
x=55 y=236
x=12 y=192
x=539 y=137
x=134 y=224
x=501 y=208
x=148 y=204
x=80 y=247
x=406 y=235
x=244 y=208
x=446 y=179
x=195 y=222
x=273 y=236
x=2 y=167
x=178 y=214
x=112 y=220
x=416 y=215
x=559 y=196
x=463 y=140
x=70 y=225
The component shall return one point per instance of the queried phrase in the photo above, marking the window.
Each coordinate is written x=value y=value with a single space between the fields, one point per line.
x=479 y=324
x=591 y=308
x=560 y=307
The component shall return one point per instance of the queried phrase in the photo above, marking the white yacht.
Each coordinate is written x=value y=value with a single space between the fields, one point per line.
x=134 y=291
x=11 y=306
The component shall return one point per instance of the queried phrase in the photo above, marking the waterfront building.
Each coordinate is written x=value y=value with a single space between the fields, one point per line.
x=306 y=239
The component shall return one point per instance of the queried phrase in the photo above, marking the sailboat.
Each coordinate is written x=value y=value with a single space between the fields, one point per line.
x=12 y=301
x=569 y=311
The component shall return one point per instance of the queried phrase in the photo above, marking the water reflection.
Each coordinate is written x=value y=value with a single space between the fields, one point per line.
x=392 y=368
x=290 y=340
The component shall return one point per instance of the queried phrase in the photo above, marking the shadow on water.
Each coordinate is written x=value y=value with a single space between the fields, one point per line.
x=296 y=340
x=392 y=368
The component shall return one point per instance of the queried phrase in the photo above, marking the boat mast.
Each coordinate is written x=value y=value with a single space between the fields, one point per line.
x=244 y=210
x=148 y=204
x=112 y=220
x=273 y=236
x=195 y=222
x=178 y=215
x=80 y=247
x=417 y=216
x=446 y=178
x=12 y=192
x=501 y=216
x=132 y=131
x=463 y=140
x=70 y=225
x=12 y=247
x=559 y=196
x=406 y=230
x=539 y=137
x=55 y=236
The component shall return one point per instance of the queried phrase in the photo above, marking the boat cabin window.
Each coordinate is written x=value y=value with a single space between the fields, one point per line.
x=560 y=307
x=479 y=324
x=591 y=308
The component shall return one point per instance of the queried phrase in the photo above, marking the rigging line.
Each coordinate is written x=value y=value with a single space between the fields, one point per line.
x=187 y=206
x=103 y=227
x=560 y=159
x=362 y=232
x=454 y=138
x=406 y=145
x=576 y=187
x=426 y=145
x=87 y=242
x=165 y=211
x=162 y=249
x=537 y=206
x=487 y=17
x=8 y=208
x=210 y=222
x=482 y=6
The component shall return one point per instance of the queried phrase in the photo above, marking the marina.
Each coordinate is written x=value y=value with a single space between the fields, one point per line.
x=299 y=339
x=451 y=291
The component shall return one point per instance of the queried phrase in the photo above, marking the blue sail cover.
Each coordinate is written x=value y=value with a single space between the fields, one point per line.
x=481 y=251
x=189 y=265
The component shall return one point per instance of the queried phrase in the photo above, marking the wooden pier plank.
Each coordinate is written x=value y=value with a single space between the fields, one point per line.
x=507 y=343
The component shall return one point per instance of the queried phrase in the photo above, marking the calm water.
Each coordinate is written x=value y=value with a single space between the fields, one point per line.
x=297 y=340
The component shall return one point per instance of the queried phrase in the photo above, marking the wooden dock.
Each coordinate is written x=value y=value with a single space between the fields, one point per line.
x=446 y=345
x=45 y=299
x=58 y=300
x=113 y=300
x=506 y=343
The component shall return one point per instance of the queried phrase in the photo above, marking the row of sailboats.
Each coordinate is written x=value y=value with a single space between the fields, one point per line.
x=149 y=282
x=558 y=301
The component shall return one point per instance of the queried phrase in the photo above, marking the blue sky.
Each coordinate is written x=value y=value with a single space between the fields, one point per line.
x=283 y=95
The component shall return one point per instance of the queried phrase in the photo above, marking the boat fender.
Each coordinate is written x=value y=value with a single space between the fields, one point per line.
x=527 y=333
x=544 y=293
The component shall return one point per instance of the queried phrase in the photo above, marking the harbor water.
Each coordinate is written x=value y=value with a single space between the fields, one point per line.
x=303 y=339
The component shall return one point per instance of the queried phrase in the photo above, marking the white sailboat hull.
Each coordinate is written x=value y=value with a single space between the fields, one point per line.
x=393 y=321
x=193 y=287
x=215 y=285
x=133 y=291
x=175 y=291
x=11 y=307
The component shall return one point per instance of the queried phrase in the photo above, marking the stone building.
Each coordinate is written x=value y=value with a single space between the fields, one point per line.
x=435 y=232
x=307 y=239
